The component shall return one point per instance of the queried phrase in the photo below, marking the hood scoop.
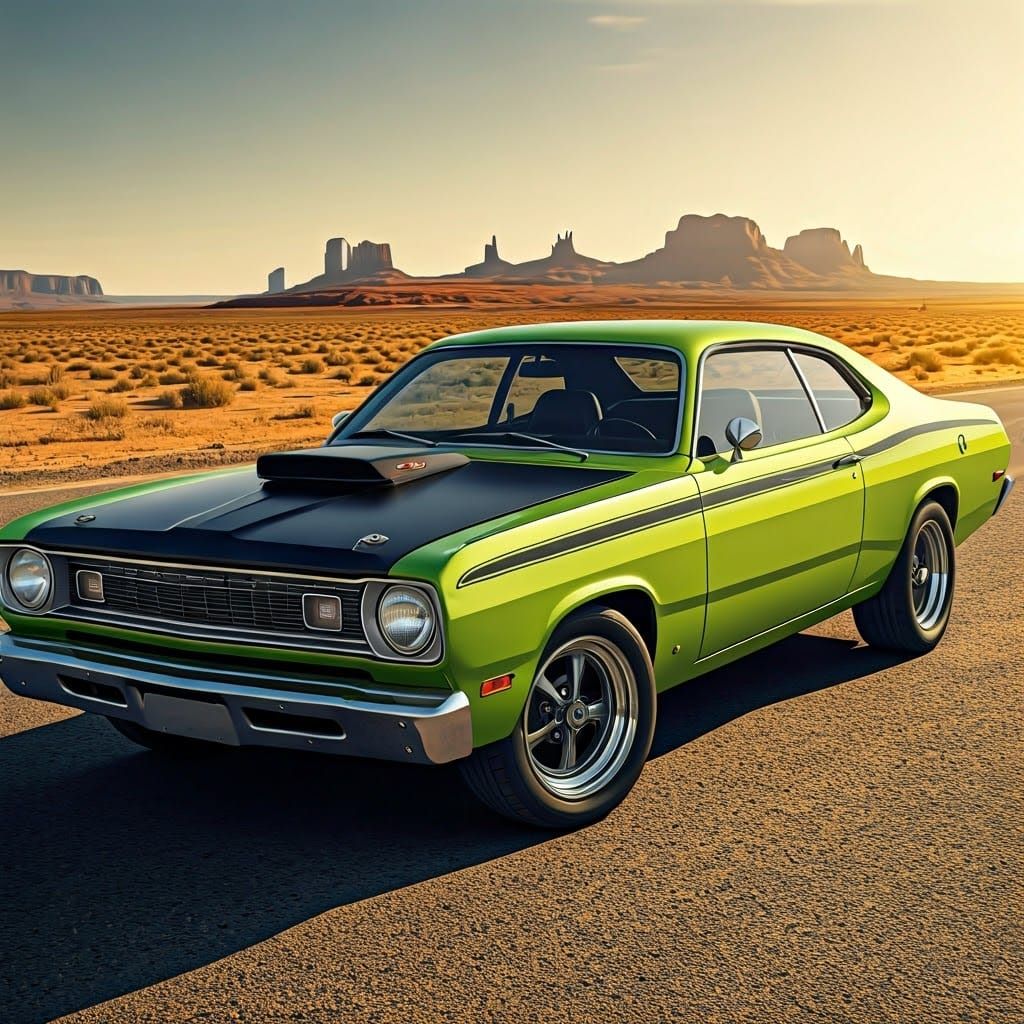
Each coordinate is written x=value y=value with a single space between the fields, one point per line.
x=355 y=466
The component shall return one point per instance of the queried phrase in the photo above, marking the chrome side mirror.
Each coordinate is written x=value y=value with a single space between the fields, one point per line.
x=338 y=418
x=742 y=434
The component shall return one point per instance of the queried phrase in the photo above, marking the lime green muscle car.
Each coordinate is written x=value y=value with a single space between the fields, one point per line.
x=506 y=552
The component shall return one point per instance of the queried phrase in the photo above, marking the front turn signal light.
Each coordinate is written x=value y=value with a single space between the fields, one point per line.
x=496 y=685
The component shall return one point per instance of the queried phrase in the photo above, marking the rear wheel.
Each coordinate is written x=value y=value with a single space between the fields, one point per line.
x=584 y=733
x=910 y=613
x=164 y=742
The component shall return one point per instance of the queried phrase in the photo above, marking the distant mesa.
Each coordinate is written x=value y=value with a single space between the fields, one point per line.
x=275 y=281
x=344 y=261
x=824 y=251
x=562 y=249
x=21 y=290
x=337 y=254
x=21 y=282
x=370 y=258
x=727 y=251
x=492 y=265
x=564 y=266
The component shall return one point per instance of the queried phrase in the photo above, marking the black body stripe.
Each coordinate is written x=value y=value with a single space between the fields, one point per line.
x=783 y=478
x=922 y=428
x=689 y=506
x=582 y=539
x=641 y=521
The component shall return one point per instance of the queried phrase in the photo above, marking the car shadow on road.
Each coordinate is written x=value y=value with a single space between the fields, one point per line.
x=794 y=667
x=121 y=868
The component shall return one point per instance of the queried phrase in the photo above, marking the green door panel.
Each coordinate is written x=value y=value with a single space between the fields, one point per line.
x=784 y=532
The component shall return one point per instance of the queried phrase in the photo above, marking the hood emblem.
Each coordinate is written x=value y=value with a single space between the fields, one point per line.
x=411 y=464
x=81 y=520
x=371 y=539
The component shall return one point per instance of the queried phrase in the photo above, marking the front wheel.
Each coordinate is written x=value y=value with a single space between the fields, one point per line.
x=585 y=730
x=910 y=613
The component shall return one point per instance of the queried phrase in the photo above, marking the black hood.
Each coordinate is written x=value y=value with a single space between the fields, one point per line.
x=314 y=525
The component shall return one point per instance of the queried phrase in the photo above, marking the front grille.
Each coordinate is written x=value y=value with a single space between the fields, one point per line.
x=216 y=600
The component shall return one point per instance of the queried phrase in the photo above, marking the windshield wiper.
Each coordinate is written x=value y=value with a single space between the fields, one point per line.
x=384 y=432
x=516 y=436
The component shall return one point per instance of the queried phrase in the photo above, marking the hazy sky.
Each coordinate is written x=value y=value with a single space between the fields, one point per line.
x=185 y=147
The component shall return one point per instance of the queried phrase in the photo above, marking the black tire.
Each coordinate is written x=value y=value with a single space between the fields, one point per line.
x=908 y=614
x=513 y=776
x=163 y=742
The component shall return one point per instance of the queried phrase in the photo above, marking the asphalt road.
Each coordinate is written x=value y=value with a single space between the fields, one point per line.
x=822 y=833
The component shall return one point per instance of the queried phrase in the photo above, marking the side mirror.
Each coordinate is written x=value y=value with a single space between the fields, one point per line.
x=338 y=418
x=742 y=434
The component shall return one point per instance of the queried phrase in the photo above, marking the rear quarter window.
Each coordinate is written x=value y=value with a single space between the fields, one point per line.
x=838 y=402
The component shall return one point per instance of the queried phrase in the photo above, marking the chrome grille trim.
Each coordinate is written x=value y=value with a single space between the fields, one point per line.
x=214 y=604
x=214 y=599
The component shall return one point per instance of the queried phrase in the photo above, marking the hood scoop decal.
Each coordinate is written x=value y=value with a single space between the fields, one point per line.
x=355 y=466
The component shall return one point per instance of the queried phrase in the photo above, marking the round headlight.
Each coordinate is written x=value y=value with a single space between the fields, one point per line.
x=30 y=578
x=406 y=619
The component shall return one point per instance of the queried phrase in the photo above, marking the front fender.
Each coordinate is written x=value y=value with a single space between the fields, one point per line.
x=591 y=593
x=510 y=638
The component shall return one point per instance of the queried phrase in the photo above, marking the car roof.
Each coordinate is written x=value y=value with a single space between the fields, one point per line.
x=688 y=336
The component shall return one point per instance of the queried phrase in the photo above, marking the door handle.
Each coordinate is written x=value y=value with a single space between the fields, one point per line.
x=846 y=460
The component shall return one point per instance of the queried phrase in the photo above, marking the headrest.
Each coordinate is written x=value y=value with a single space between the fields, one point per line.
x=565 y=412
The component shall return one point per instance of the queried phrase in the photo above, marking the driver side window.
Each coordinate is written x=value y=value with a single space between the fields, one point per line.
x=760 y=385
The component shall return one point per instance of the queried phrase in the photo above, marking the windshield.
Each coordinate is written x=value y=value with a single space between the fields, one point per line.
x=607 y=398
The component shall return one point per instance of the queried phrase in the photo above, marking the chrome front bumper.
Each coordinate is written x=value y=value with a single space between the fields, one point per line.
x=225 y=709
x=1004 y=493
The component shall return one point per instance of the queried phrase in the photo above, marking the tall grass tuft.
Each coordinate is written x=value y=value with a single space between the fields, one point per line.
x=208 y=392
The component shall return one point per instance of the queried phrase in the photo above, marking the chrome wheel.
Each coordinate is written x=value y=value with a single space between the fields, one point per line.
x=929 y=574
x=581 y=717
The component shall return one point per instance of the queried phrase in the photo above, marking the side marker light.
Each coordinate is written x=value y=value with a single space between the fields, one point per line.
x=496 y=685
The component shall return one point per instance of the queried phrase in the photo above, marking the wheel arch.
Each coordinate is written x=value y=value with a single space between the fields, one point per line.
x=943 y=490
x=630 y=596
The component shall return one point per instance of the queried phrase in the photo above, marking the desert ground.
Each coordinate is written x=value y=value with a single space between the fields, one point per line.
x=103 y=392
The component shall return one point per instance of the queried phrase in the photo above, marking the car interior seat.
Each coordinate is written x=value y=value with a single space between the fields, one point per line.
x=565 y=412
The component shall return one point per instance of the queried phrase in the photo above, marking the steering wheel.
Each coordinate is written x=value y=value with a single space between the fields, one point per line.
x=620 y=428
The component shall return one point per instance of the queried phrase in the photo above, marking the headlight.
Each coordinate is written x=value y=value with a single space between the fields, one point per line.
x=406 y=619
x=30 y=578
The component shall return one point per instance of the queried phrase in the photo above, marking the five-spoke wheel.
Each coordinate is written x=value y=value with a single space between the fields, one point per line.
x=585 y=729
x=580 y=717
